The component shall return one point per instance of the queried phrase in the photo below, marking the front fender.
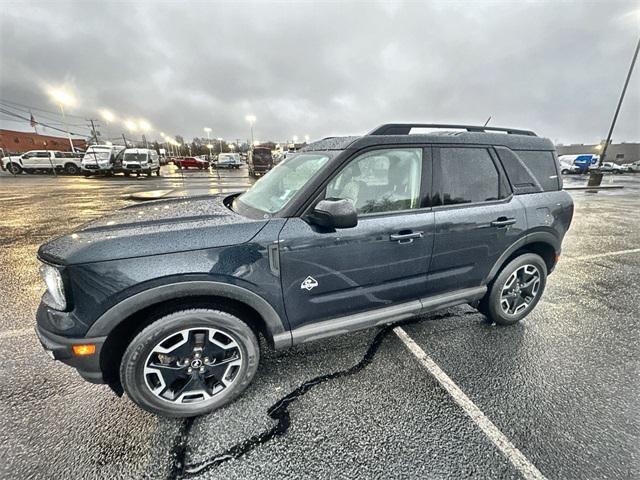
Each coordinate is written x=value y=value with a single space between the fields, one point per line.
x=275 y=326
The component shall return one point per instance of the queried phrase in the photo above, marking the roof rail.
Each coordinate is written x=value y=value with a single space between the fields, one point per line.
x=405 y=129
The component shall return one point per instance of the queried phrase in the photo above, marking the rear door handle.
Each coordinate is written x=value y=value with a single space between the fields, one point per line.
x=405 y=237
x=503 y=222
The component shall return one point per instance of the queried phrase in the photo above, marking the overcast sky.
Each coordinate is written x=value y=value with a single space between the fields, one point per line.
x=325 y=68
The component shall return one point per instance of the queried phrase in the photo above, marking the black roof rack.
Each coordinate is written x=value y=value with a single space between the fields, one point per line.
x=405 y=129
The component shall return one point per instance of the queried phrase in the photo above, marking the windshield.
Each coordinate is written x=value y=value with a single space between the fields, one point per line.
x=93 y=155
x=135 y=157
x=272 y=192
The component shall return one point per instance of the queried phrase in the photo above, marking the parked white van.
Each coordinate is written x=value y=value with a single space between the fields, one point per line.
x=102 y=159
x=140 y=160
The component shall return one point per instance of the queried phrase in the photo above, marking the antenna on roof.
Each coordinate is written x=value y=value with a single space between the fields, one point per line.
x=487 y=122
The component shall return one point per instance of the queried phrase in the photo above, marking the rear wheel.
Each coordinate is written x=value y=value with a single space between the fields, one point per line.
x=565 y=172
x=158 y=172
x=149 y=173
x=190 y=362
x=516 y=290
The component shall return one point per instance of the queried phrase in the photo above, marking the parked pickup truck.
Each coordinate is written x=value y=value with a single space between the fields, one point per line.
x=193 y=162
x=43 y=160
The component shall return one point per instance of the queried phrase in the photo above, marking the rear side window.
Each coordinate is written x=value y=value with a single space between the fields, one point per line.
x=543 y=166
x=467 y=175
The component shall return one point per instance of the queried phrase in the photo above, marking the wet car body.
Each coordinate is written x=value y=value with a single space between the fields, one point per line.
x=295 y=278
x=191 y=162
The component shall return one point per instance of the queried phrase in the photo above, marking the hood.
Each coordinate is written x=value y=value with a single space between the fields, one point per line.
x=153 y=228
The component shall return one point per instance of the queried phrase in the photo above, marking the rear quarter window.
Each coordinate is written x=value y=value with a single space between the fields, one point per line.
x=543 y=166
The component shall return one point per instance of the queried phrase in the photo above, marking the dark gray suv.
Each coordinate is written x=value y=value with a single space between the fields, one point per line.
x=166 y=300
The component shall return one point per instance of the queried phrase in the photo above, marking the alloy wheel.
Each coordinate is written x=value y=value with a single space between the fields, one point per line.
x=193 y=365
x=520 y=289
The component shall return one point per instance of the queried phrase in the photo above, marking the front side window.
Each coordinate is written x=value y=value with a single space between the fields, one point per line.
x=467 y=175
x=272 y=192
x=381 y=181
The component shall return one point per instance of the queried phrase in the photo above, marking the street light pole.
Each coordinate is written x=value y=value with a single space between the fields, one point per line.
x=596 y=177
x=66 y=127
x=252 y=120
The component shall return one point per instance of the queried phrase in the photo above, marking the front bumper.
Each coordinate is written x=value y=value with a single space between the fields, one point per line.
x=59 y=348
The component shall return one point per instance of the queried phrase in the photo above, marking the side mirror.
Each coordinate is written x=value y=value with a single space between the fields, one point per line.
x=335 y=213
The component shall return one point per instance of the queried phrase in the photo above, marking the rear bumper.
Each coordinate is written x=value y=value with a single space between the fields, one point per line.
x=59 y=348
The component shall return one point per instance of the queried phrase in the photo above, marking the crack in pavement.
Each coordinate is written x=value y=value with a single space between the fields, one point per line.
x=279 y=411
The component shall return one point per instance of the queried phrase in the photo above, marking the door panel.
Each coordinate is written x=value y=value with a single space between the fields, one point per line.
x=467 y=244
x=477 y=217
x=383 y=260
x=355 y=269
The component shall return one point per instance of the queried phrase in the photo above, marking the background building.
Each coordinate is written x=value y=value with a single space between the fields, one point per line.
x=20 y=142
x=617 y=152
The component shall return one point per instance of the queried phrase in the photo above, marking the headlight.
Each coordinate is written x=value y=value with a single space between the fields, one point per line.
x=55 y=287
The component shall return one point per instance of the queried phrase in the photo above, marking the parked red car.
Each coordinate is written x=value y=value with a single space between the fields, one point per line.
x=195 y=162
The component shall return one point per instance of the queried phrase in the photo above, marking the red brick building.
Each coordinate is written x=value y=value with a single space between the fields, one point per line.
x=20 y=142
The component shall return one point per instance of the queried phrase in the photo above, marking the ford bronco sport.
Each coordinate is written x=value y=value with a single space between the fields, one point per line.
x=166 y=300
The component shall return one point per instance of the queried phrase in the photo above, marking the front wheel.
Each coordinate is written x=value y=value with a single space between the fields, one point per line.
x=14 y=168
x=71 y=169
x=190 y=362
x=516 y=290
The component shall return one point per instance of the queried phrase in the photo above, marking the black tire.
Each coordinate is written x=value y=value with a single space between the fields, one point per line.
x=158 y=172
x=71 y=169
x=565 y=172
x=149 y=173
x=14 y=168
x=139 y=350
x=491 y=305
x=127 y=174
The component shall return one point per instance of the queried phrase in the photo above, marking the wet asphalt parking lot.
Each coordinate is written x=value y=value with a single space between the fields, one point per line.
x=561 y=388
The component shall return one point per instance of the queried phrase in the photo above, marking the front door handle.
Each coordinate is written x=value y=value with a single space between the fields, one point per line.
x=503 y=222
x=405 y=237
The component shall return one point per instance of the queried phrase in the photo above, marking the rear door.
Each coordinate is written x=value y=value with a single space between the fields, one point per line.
x=476 y=217
x=383 y=260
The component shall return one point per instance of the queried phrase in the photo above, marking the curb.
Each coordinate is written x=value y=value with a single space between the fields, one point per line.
x=601 y=187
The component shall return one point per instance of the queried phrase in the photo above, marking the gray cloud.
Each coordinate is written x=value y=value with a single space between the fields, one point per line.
x=323 y=68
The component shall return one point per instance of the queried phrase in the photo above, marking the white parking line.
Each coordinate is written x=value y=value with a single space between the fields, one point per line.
x=606 y=254
x=515 y=456
x=16 y=333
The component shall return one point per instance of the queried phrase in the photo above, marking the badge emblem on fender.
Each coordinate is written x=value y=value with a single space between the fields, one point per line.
x=309 y=284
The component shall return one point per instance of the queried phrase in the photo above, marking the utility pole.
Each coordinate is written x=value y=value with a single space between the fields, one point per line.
x=94 y=133
x=595 y=179
x=125 y=141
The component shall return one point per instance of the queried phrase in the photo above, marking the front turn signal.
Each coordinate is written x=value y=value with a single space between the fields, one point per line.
x=83 y=350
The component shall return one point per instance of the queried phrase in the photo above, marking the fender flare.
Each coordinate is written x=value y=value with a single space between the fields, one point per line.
x=115 y=315
x=535 y=237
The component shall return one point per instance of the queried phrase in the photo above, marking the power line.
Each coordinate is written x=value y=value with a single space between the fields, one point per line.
x=29 y=107
x=50 y=119
x=7 y=112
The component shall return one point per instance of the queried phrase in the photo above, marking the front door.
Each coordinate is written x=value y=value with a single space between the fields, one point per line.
x=382 y=261
x=477 y=218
